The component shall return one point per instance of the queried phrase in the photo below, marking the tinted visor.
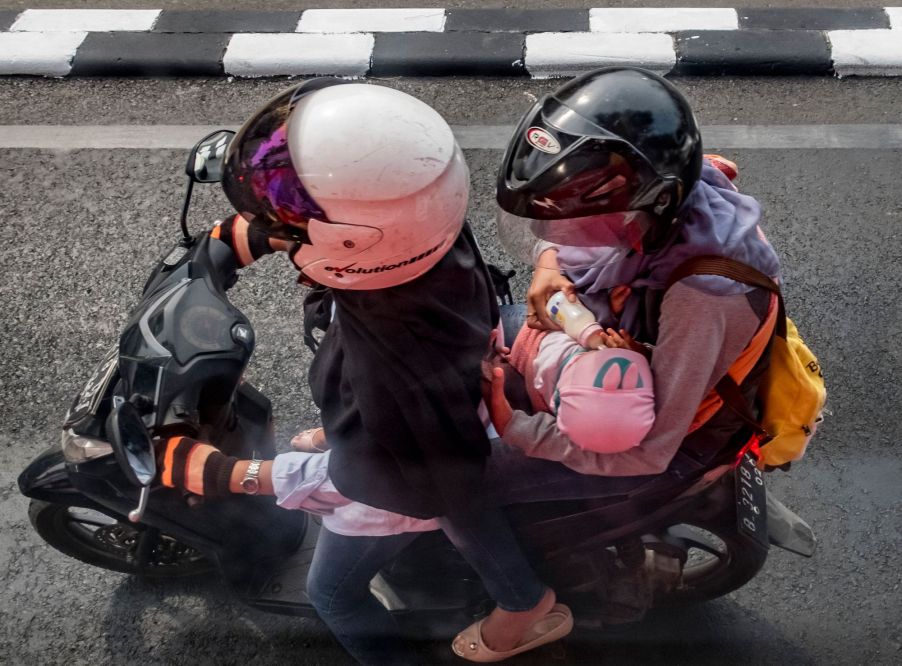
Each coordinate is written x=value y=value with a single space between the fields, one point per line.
x=260 y=179
x=562 y=165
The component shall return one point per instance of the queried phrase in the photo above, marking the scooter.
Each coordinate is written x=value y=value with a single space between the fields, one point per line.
x=688 y=535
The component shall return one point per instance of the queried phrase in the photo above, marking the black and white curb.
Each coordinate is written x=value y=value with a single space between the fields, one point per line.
x=442 y=42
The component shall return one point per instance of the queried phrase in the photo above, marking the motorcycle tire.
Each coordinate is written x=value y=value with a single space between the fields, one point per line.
x=104 y=541
x=731 y=562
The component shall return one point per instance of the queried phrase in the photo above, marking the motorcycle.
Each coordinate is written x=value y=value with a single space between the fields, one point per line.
x=682 y=537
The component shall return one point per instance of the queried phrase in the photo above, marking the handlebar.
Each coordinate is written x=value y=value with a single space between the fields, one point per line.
x=185 y=347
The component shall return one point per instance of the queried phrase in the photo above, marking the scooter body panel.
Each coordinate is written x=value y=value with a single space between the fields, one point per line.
x=46 y=478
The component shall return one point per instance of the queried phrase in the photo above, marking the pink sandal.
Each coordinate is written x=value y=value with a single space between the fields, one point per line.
x=556 y=624
x=310 y=441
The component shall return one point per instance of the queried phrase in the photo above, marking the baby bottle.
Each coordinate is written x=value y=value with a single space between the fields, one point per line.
x=576 y=320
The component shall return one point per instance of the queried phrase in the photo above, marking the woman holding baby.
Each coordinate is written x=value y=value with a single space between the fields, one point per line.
x=607 y=173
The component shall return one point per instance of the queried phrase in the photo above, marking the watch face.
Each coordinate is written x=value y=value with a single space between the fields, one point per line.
x=250 y=486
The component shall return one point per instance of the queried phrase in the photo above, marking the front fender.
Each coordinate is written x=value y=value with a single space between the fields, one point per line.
x=46 y=478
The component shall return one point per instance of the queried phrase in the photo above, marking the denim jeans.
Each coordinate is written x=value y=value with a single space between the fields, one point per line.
x=339 y=577
x=338 y=584
x=488 y=545
x=342 y=568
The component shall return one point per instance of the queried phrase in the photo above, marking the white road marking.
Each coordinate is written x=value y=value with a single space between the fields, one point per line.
x=562 y=54
x=38 y=53
x=470 y=137
x=270 y=54
x=866 y=52
x=86 y=20
x=372 y=20
x=664 y=19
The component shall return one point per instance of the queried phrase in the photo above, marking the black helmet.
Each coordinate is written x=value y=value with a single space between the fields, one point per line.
x=606 y=159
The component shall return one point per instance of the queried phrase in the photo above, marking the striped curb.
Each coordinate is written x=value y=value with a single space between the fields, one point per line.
x=444 y=42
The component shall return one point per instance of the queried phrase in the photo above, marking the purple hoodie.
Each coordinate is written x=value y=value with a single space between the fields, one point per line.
x=715 y=219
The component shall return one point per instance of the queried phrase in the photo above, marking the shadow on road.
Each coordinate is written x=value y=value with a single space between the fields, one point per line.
x=202 y=622
x=199 y=621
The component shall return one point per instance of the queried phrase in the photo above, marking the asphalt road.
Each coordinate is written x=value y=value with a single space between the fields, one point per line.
x=82 y=229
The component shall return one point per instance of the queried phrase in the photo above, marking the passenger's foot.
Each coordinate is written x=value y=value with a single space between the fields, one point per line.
x=552 y=625
x=310 y=441
x=503 y=630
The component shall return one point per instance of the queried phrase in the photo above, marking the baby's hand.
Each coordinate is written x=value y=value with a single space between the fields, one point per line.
x=623 y=340
x=500 y=411
x=493 y=358
x=614 y=340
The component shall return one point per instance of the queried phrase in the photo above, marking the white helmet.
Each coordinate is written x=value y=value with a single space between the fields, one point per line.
x=370 y=180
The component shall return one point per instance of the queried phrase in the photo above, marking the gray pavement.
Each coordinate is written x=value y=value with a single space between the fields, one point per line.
x=717 y=101
x=83 y=228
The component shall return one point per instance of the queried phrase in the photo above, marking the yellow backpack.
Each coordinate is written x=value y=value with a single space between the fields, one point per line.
x=792 y=392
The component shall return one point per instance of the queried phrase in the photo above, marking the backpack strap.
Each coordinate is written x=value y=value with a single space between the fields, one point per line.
x=712 y=264
x=727 y=388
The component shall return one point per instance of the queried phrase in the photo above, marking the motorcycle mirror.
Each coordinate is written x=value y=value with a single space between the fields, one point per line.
x=207 y=158
x=131 y=444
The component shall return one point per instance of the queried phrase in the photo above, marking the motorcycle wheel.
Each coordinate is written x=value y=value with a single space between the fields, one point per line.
x=718 y=562
x=103 y=541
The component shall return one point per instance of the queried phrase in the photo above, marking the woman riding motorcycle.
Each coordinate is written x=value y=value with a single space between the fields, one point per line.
x=607 y=171
x=522 y=476
x=366 y=189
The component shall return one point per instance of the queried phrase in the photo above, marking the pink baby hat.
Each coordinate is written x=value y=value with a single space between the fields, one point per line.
x=605 y=400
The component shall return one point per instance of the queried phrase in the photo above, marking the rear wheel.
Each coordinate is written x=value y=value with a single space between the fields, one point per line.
x=717 y=561
x=103 y=541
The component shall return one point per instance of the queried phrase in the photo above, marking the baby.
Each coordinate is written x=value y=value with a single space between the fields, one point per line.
x=600 y=391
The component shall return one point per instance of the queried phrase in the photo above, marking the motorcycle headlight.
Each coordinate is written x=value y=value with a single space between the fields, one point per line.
x=79 y=449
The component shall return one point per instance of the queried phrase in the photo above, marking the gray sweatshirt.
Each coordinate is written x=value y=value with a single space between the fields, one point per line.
x=700 y=336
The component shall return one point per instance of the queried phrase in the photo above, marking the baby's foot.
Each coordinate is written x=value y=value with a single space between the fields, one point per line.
x=310 y=441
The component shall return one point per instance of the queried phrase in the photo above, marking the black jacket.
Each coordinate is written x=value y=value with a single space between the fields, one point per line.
x=397 y=379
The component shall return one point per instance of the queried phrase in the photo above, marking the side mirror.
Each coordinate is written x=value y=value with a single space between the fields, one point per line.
x=131 y=444
x=133 y=450
x=208 y=157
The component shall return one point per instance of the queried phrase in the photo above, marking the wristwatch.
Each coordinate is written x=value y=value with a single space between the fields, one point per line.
x=251 y=481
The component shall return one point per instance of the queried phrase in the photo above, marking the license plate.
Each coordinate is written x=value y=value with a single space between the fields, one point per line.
x=89 y=399
x=751 y=500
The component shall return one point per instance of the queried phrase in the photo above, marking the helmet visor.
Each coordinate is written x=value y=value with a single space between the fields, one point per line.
x=260 y=179
x=618 y=233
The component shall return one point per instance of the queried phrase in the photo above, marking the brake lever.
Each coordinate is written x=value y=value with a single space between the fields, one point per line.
x=135 y=515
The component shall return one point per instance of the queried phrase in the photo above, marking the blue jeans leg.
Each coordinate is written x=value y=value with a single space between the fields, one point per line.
x=488 y=544
x=338 y=585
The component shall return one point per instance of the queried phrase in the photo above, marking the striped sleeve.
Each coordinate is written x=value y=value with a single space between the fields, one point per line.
x=248 y=240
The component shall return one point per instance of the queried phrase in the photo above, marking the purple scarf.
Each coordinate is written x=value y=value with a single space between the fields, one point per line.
x=716 y=219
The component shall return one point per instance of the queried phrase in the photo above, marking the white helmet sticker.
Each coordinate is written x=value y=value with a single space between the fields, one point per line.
x=542 y=140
